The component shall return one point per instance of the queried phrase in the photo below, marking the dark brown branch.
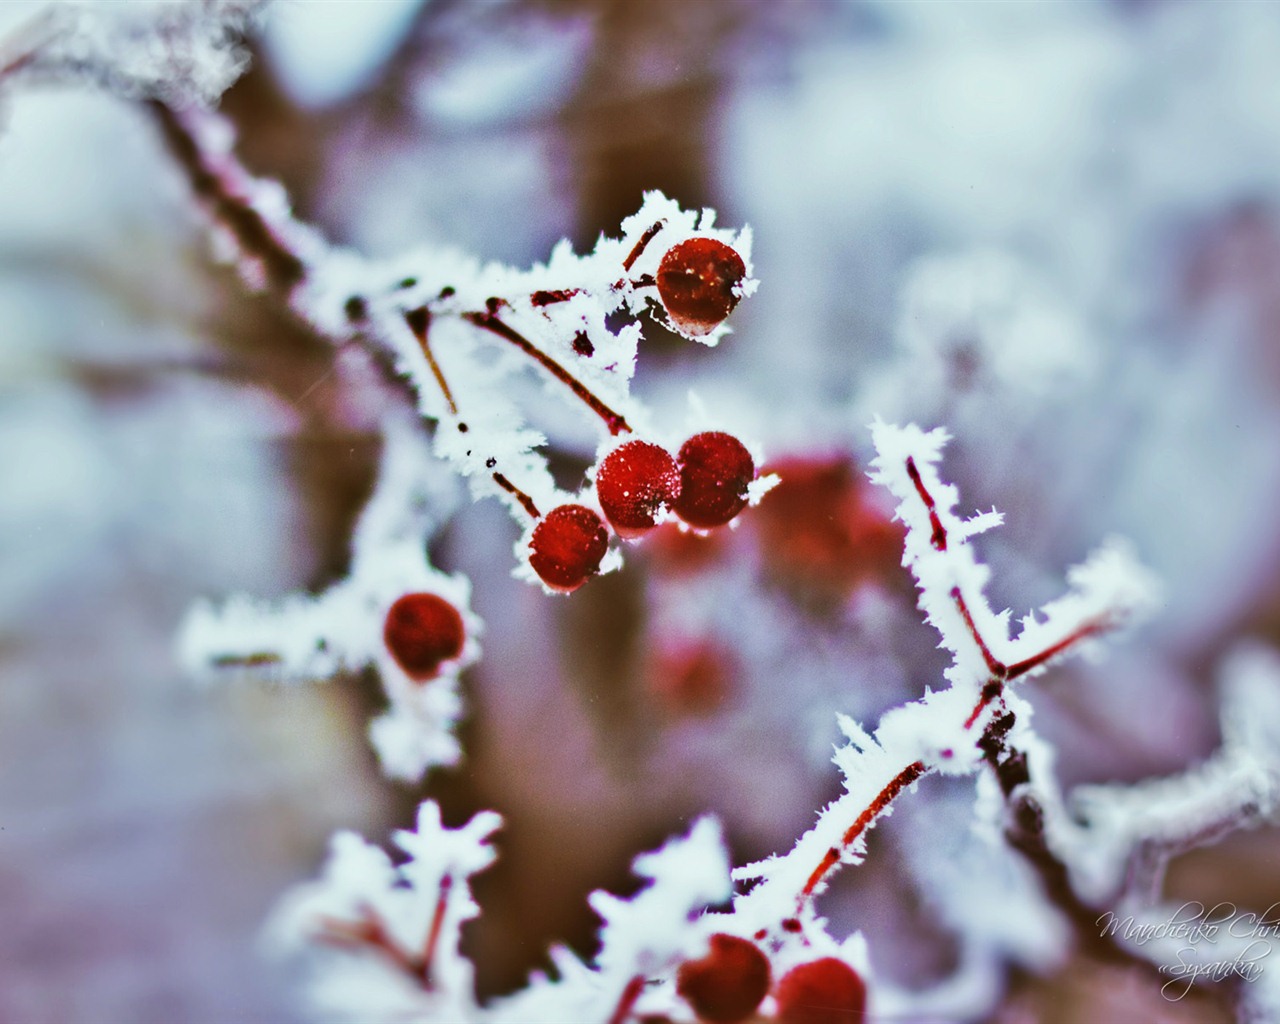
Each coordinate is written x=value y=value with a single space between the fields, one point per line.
x=1025 y=832
x=215 y=184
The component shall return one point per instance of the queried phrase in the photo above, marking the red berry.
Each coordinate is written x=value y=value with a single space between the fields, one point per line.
x=421 y=632
x=635 y=481
x=728 y=983
x=698 y=281
x=715 y=469
x=691 y=677
x=679 y=552
x=567 y=546
x=826 y=991
x=818 y=536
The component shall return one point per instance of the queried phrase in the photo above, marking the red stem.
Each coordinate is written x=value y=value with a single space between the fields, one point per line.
x=883 y=799
x=994 y=665
x=939 y=538
x=419 y=321
x=616 y=423
x=627 y=1000
x=639 y=247
x=1090 y=628
x=524 y=499
x=433 y=936
x=369 y=930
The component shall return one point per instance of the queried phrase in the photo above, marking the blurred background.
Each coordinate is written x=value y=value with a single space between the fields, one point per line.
x=1053 y=228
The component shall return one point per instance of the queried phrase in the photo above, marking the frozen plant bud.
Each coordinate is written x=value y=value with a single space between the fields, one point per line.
x=636 y=481
x=728 y=983
x=715 y=469
x=567 y=546
x=826 y=991
x=700 y=282
x=422 y=631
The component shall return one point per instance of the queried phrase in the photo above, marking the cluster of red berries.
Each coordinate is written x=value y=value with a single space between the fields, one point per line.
x=730 y=982
x=705 y=484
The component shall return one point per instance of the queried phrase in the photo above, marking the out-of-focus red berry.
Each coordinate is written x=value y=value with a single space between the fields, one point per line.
x=715 y=469
x=817 y=534
x=690 y=677
x=826 y=991
x=676 y=551
x=728 y=983
x=567 y=546
x=422 y=631
x=698 y=282
x=636 y=481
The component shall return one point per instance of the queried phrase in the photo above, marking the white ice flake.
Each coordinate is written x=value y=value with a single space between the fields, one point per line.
x=641 y=938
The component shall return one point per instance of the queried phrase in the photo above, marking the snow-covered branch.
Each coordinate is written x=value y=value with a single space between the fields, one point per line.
x=171 y=50
x=394 y=612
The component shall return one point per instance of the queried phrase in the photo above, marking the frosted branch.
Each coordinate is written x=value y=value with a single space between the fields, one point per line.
x=342 y=630
x=1131 y=832
x=459 y=331
x=175 y=51
x=382 y=941
x=1109 y=590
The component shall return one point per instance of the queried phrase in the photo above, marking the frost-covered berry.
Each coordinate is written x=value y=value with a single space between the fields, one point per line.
x=728 y=983
x=567 y=546
x=715 y=469
x=423 y=631
x=699 y=282
x=826 y=991
x=636 y=481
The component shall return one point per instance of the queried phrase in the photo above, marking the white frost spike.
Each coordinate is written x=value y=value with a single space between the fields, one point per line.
x=938 y=572
x=1111 y=588
x=647 y=933
x=303 y=637
x=383 y=940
